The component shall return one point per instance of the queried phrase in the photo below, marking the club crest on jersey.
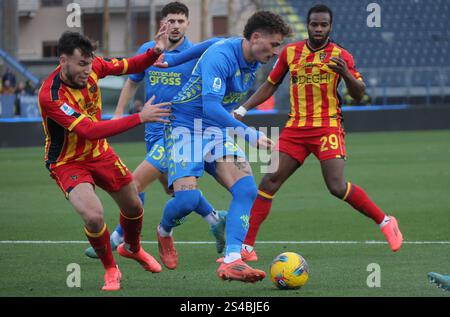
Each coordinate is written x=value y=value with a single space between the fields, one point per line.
x=93 y=89
x=217 y=84
x=322 y=56
x=67 y=109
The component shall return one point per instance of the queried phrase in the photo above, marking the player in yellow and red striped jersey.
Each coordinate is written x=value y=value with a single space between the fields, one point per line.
x=316 y=66
x=77 y=153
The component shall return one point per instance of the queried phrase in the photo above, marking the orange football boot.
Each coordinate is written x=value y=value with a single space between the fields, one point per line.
x=239 y=271
x=112 y=279
x=143 y=258
x=167 y=252
x=393 y=234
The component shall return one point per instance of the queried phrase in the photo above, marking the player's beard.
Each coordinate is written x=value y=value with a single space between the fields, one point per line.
x=176 y=40
x=70 y=78
x=318 y=43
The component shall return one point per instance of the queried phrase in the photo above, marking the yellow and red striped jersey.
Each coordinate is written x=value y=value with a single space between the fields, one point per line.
x=314 y=99
x=63 y=107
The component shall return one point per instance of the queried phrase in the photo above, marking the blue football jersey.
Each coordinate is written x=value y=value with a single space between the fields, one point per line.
x=221 y=73
x=164 y=83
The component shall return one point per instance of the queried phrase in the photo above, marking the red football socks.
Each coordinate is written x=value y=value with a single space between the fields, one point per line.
x=100 y=242
x=359 y=200
x=260 y=210
x=131 y=228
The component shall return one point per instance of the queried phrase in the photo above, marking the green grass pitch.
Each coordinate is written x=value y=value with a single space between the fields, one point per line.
x=406 y=174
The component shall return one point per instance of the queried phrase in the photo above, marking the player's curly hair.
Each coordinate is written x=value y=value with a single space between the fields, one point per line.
x=268 y=22
x=175 y=8
x=69 y=41
x=317 y=9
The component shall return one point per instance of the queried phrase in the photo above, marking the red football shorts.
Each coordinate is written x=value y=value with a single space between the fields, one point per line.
x=106 y=171
x=324 y=143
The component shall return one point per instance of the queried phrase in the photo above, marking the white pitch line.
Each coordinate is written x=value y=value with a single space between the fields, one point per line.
x=212 y=242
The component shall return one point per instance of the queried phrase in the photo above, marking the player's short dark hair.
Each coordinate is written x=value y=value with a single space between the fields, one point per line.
x=320 y=8
x=175 y=8
x=69 y=41
x=266 y=21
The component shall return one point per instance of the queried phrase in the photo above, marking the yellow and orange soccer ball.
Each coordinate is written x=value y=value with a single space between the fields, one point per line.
x=289 y=270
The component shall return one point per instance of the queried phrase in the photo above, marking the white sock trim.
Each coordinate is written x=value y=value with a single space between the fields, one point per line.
x=164 y=233
x=212 y=218
x=385 y=221
x=231 y=257
x=247 y=248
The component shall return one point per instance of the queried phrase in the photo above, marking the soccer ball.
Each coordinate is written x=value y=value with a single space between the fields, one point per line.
x=289 y=270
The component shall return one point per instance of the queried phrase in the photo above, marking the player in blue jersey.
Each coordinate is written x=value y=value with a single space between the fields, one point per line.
x=163 y=84
x=198 y=134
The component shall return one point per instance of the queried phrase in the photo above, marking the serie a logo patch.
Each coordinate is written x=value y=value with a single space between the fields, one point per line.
x=217 y=84
x=67 y=109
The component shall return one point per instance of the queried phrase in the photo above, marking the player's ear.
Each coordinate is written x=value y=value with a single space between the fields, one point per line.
x=62 y=59
x=255 y=36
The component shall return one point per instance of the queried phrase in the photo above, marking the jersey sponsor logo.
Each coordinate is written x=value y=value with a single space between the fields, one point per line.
x=234 y=97
x=164 y=78
x=312 y=79
x=217 y=84
x=67 y=109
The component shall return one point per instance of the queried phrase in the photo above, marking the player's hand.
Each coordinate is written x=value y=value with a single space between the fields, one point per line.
x=239 y=113
x=238 y=117
x=161 y=38
x=155 y=113
x=160 y=63
x=265 y=143
x=340 y=67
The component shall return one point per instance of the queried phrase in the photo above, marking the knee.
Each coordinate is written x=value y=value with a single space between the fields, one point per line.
x=270 y=184
x=94 y=221
x=188 y=199
x=337 y=189
x=245 y=188
x=134 y=208
x=139 y=186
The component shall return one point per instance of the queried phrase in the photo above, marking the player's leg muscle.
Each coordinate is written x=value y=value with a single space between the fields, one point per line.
x=88 y=205
x=231 y=169
x=282 y=166
x=128 y=200
x=144 y=175
x=333 y=174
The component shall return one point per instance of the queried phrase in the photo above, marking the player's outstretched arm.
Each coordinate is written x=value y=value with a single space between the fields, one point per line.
x=137 y=64
x=194 y=52
x=90 y=130
x=213 y=110
x=263 y=93
x=268 y=88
